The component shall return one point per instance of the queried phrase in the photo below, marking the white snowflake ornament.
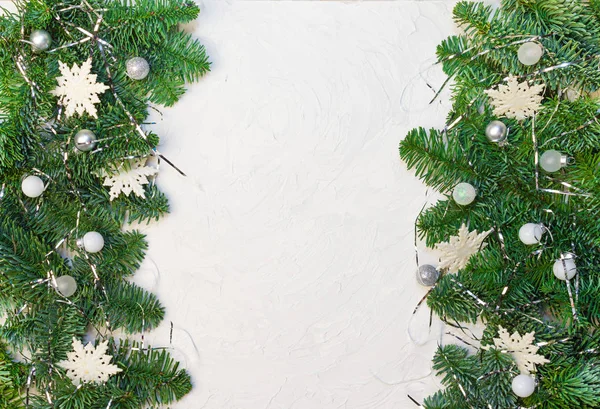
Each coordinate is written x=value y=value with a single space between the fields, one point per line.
x=457 y=251
x=130 y=177
x=78 y=90
x=88 y=364
x=516 y=99
x=522 y=349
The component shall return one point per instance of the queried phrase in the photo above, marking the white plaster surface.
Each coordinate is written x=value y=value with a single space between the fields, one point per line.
x=288 y=256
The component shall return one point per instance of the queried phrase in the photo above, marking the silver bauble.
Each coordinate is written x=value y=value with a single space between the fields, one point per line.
x=85 y=140
x=137 y=68
x=427 y=275
x=496 y=131
x=40 y=40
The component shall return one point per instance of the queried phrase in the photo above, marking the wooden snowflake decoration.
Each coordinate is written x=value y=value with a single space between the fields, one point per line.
x=130 y=177
x=456 y=252
x=522 y=349
x=516 y=99
x=88 y=364
x=78 y=90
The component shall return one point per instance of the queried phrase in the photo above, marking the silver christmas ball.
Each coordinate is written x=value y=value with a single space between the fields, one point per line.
x=85 y=140
x=137 y=68
x=496 y=131
x=40 y=40
x=427 y=275
x=66 y=285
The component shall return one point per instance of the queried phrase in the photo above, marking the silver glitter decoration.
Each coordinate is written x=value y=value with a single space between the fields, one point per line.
x=137 y=68
x=40 y=40
x=496 y=131
x=85 y=140
x=427 y=275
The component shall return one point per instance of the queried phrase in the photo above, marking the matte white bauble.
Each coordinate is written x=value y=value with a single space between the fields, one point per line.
x=464 y=194
x=552 y=161
x=564 y=268
x=530 y=53
x=66 y=285
x=93 y=242
x=32 y=186
x=531 y=233
x=523 y=385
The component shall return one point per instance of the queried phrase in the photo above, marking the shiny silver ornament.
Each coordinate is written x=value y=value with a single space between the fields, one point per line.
x=40 y=40
x=427 y=275
x=137 y=68
x=85 y=140
x=496 y=131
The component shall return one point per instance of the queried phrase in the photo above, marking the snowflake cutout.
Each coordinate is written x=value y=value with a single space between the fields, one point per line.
x=88 y=364
x=515 y=99
x=458 y=250
x=78 y=90
x=522 y=349
x=129 y=177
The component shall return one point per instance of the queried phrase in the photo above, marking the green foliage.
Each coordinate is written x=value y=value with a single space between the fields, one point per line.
x=507 y=283
x=38 y=236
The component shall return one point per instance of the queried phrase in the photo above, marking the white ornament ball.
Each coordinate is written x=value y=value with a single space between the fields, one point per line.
x=564 y=268
x=66 y=285
x=85 y=140
x=40 y=40
x=530 y=53
x=464 y=193
x=32 y=186
x=496 y=131
x=552 y=161
x=137 y=68
x=531 y=233
x=523 y=385
x=93 y=242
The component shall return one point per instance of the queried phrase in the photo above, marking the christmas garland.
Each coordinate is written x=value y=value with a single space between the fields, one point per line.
x=518 y=232
x=77 y=166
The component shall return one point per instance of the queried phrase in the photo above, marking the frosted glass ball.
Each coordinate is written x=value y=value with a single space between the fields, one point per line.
x=93 y=242
x=464 y=193
x=551 y=160
x=32 y=186
x=137 y=68
x=531 y=233
x=427 y=275
x=530 y=53
x=66 y=285
x=40 y=40
x=564 y=268
x=523 y=385
x=496 y=131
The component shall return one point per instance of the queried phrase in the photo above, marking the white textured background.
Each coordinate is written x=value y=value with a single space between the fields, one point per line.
x=287 y=265
x=288 y=256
